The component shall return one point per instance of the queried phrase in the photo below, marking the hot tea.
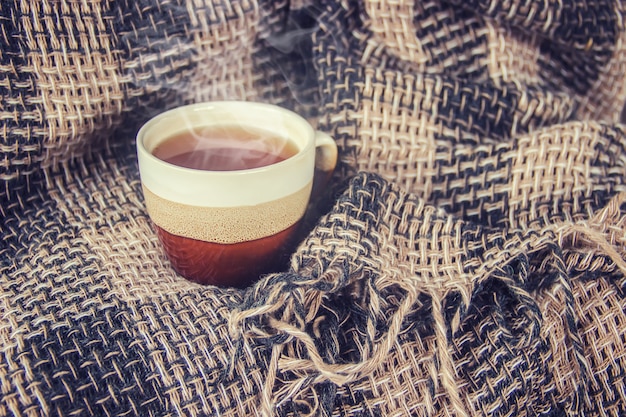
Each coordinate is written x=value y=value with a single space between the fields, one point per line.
x=233 y=212
x=225 y=148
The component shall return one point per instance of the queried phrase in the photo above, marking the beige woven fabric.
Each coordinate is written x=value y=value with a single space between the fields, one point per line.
x=468 y=258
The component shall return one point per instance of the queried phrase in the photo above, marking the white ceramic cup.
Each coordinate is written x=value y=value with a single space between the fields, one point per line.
x=228 y=227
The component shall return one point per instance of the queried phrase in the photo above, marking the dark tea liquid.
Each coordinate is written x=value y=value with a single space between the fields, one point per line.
x=225 y=148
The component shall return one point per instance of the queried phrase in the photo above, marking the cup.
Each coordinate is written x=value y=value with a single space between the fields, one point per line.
x=231 y=210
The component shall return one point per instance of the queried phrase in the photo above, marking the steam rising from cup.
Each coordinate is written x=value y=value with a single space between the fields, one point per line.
x=235 y=215
x=225 y=148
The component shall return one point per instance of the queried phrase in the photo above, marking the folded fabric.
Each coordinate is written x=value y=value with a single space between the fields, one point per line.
x=468 y=259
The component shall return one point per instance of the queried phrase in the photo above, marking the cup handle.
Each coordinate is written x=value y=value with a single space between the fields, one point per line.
x=325 y=161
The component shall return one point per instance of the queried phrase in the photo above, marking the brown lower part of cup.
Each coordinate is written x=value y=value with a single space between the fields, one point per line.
x=228 y=265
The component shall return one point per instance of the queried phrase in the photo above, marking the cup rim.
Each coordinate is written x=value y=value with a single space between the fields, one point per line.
x=145 y=128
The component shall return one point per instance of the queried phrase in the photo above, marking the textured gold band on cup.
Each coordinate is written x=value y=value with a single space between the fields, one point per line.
x=227 y=224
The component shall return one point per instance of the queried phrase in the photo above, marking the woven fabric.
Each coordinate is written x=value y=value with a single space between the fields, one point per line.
x=468 y=258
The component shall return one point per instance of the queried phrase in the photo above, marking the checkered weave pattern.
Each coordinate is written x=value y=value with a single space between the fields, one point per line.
x=468 y=259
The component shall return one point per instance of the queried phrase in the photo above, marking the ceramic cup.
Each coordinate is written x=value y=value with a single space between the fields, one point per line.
x=225 y=226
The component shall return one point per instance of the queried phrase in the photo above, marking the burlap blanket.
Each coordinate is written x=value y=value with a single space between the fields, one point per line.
x=468 y=259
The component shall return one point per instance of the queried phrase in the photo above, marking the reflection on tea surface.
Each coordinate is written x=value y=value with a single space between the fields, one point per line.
x=225 y=148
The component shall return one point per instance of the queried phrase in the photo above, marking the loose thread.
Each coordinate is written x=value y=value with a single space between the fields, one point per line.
x=598 y=238
x=593 y=230
x=447 y=373
x=339 y=374
x=267 y=403
x=571 y=326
